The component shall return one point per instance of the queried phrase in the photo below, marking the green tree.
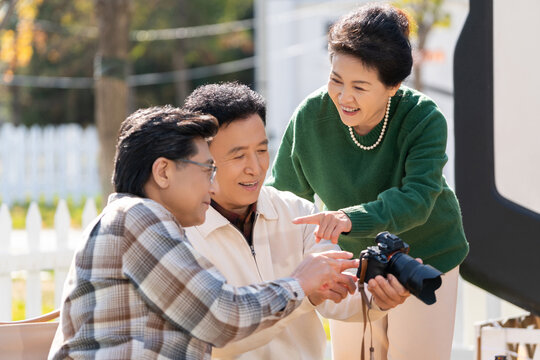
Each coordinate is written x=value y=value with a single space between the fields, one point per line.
x=187 y=53
x=16 y=44
x=66 y=35
x=427 y=15
x=64 y=44
x=110 y=73
x=65 y=40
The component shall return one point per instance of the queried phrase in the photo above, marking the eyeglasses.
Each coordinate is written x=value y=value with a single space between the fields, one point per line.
x=212 y=167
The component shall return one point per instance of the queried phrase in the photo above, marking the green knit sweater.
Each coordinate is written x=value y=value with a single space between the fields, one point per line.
x=397 y=187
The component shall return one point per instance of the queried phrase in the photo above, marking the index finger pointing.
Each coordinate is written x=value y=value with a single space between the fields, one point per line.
x=314 y=219
x=349 y=264
x=337 y=254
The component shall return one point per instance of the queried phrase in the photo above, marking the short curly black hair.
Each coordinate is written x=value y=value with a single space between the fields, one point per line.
x=377 y=34
x=227 y=102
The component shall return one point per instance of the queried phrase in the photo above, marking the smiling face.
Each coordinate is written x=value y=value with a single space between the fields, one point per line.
x=358 y=94
x=240 y=150
x=186 y=187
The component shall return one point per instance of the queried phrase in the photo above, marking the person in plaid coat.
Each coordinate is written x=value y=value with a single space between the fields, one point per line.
x=136 y=288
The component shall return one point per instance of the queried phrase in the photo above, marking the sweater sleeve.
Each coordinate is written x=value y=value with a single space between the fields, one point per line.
x=287 y=173
x=402 y=208
x=186 y=289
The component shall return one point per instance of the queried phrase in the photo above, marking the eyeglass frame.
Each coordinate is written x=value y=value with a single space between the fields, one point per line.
x=209 y=166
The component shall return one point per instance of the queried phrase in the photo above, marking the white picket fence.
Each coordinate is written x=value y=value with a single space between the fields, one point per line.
x=48 y=161
x=34 y=250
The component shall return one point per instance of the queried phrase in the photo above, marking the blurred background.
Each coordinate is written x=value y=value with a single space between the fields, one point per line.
x=72 y=70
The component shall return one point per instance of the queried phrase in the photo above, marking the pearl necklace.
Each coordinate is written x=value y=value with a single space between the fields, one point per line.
x=363 y=147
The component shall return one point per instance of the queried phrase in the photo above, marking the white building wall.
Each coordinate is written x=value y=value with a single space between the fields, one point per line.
x=516 y=50
x=292 y=54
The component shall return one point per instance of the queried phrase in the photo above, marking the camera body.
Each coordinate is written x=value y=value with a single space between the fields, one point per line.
x=379 y=256
x=390 y=256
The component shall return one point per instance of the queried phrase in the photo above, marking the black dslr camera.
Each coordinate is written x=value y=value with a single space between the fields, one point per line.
x=390 y=257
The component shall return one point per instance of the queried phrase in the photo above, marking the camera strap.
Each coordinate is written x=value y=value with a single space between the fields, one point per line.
x=366 y=306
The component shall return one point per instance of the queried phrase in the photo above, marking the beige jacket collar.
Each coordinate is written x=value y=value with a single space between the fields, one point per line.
x=214 y=220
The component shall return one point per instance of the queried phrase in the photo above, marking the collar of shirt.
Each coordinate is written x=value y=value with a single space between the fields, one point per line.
x=243 y=223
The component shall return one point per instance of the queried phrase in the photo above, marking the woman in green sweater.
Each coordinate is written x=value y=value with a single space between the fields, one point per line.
x=373 y=150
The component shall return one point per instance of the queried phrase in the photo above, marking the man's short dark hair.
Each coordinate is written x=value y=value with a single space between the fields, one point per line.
x=147 y=134
x=227 y=102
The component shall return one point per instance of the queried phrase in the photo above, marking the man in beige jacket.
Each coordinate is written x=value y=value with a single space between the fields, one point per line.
x=250 y=237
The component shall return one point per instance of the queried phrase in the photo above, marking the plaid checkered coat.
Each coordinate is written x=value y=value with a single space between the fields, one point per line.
x=138 y=290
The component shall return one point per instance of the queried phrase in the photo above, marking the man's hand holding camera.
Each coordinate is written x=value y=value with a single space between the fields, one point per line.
x=387 y=293
x=322 y=278
x=381 y=274
x=321 y=275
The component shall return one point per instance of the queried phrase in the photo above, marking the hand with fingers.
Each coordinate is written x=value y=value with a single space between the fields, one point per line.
x=388 y=293
x=320 y=275
x=330 y=224
x=344 y=286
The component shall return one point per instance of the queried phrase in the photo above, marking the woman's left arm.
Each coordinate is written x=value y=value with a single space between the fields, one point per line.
x=397 y=209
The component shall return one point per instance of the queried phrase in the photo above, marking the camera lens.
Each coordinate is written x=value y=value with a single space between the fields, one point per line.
x=420 y=280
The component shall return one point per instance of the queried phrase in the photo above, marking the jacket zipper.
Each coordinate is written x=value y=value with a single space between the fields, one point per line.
x=253 y=247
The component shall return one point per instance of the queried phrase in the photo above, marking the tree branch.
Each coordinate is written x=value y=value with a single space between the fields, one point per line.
x=11 y=6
